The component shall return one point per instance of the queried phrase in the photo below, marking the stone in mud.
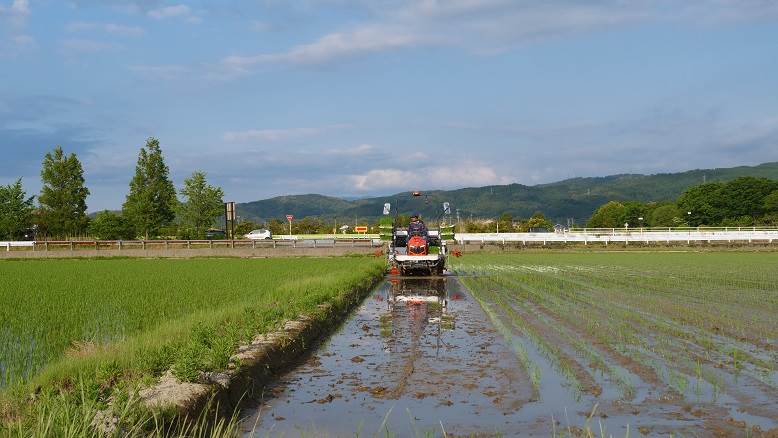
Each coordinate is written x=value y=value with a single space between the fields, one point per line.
x=170 y=392
x=105 y=423
x=328 y=399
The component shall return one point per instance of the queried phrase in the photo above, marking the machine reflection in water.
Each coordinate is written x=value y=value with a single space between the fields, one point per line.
x=412 y=305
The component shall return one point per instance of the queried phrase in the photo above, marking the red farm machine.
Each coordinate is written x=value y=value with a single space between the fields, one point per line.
x=415 y=249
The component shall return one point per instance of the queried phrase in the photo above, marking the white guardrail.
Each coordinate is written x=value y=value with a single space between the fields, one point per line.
x=9 y=245
x=625 y=237
x=73 y=245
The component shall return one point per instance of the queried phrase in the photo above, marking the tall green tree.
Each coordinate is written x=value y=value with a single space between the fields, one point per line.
x=611 y=215
x=771 y=202
x=505 y=222
x=308 y=225
x=633 y=212
x=745 y=196
x=204 y=203
x=538 y=220
x=15 y=211
x=63 y=195
x=702 y=204
x=151 y=202
x=667 y=215
x=108 y=225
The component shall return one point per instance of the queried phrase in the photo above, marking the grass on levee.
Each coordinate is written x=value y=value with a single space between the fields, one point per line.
x=87 y=333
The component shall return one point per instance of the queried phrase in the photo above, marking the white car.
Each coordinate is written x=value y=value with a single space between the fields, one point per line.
x=259 y=235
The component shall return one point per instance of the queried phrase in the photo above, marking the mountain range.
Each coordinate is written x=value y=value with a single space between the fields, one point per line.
x=575 y=198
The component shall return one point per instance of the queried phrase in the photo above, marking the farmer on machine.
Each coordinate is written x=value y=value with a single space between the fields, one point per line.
x=417 y=227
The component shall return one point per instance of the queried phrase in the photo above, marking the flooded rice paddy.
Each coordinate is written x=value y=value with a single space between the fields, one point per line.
x=511 y=355
x=417 y=353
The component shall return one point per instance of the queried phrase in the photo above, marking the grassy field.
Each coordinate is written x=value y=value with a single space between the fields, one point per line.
x=100 y=321
x=638 y=332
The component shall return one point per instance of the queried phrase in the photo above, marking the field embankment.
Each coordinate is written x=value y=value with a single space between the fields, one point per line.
x=87 y=335
x=666 y=343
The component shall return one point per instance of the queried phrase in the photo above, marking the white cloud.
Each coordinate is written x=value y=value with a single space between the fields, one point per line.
x=482 y=26
x=161 y=72
x=488 y=27
x=360 y=41
x=14 y=17
x=439 y=177
x=175 y=11
x=23 y=41
x=356 y=151
x=109 y=28
x=79 y=45
x=277 y=135
x=20 y=7
x=14 y=39
x=169 y=11
x=260 y=26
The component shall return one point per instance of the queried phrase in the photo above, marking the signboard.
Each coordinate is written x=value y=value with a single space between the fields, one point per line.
x=231 y=212
x=289 y=217
x=230 y=215
x=361 y=229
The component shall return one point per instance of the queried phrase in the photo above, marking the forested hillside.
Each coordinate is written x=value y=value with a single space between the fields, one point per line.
x=574 y=198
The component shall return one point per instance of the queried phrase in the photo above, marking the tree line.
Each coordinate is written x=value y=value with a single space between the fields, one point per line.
x=152 y=208
x=743 y=202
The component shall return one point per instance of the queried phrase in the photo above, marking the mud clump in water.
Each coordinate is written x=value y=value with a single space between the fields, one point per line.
x=378 y=391
x=328 y=399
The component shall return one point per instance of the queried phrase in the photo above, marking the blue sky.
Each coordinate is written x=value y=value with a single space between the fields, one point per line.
x=358 y=97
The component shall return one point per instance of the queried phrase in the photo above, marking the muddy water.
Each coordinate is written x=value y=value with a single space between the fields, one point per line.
x=418 y=353
x=422 y=355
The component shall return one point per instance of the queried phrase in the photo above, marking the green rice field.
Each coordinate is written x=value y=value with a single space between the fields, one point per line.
x=659 y=341
x=142 y=312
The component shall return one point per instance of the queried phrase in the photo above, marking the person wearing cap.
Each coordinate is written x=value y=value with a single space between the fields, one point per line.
x=417 y=227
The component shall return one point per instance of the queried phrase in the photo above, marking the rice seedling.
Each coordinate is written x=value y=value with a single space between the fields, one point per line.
x=103 y=327
x=694 y=324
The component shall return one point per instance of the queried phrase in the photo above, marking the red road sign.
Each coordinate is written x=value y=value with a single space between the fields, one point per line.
x=360 y=229
x=289 y=217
